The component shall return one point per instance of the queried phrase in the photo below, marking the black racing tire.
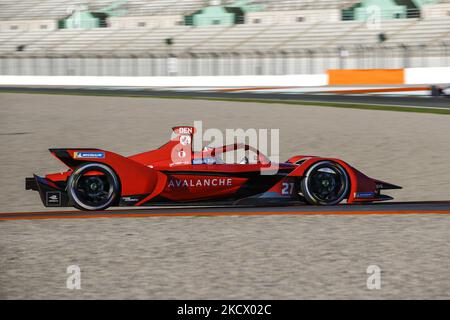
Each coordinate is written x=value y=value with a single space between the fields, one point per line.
x=325 y=183
x=93 y=192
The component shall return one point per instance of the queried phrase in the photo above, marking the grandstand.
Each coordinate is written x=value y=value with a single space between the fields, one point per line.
x=56 y=9
x=222 y=37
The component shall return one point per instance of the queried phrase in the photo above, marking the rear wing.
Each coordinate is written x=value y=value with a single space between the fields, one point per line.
x=135 y=177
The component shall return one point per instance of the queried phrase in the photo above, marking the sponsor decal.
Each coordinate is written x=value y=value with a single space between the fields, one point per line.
x=209 y=160
x=207 y=182
x=130 y=199
x=185 y=130
x=204 y=161
x=182 y=154
x=53 y=198
x=365 y=195
x=185 y=140
x=88 y=155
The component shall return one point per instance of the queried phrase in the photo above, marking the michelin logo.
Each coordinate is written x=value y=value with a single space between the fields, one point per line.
x=89 y=155
x=365 y=195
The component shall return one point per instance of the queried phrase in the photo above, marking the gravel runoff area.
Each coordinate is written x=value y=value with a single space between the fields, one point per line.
x=224 y=257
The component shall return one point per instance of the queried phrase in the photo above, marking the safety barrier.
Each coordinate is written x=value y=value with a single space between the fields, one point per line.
x=371 y=76
x=409 y=76
x=314 y=80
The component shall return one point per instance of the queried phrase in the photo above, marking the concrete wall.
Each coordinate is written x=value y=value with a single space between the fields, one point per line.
x=427 y=75
x=114 y=22
x=433 y=11
x=221 y=81
x=289 y=17
x=409 y=76
x=145 y=21
x=28 y=25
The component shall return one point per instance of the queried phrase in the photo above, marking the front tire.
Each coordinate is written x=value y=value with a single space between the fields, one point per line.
x=93 y=186
x=326 y=183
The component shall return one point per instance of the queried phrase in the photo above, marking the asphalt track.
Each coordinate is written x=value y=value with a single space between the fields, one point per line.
x=296 y=252
x=410 y=101
x=431 y=207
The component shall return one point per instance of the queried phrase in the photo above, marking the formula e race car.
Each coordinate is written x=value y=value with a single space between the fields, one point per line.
x=175 y=174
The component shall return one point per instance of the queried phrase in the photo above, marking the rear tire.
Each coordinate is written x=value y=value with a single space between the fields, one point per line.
x=93 y=192
x=326 y=183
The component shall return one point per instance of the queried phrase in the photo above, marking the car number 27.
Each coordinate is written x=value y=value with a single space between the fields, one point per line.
x=287 y=188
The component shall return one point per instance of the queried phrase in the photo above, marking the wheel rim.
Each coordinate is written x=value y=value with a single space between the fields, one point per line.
x=93 y=187
x=327 y=183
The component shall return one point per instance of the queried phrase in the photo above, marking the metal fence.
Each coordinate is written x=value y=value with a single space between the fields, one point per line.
x=312 y=61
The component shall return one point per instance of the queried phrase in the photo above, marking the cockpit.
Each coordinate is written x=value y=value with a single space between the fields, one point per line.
x=238 y=153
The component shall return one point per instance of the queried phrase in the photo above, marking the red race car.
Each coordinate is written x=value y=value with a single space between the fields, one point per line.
x=175 y=174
